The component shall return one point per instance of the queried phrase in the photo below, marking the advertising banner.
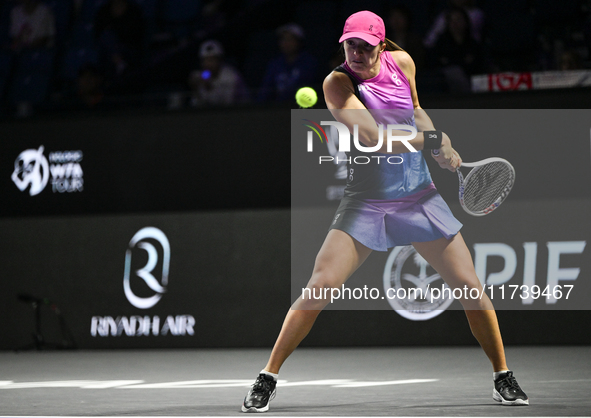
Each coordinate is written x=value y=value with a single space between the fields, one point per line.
x=138 y=163
x=536 y=80
x=174 y=280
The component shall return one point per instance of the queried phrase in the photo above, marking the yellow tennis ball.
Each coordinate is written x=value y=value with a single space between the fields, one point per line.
x=306 y=97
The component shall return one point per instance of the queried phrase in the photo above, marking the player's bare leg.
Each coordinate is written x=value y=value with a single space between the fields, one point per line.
x=452 y=260
x=485 y=327
x=338 y=258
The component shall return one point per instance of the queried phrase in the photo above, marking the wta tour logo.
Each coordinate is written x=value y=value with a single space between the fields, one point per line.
x=409 y=275
x=31 y=169
x=143 y=240
x=34 y=171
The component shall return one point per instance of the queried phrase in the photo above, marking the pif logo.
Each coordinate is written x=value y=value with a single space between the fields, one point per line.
x=405 y=271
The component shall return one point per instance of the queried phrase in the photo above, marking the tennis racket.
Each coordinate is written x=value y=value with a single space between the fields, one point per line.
x=486 y=186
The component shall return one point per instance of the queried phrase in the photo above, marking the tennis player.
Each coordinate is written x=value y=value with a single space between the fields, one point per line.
x=387 y=205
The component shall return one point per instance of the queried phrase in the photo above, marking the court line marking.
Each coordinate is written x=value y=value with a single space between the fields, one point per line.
x=564 y=381
x=198 y=384
x=386 y=383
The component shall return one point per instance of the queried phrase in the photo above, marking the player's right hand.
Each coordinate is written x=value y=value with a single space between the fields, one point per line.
x=447 y=158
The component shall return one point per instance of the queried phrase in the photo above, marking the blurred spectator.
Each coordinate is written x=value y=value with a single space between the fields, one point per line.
x=216 y=83
x=89 y=87
x=570 y=60
x=457 y=52
x=32 y=25
x=293 y=69
x=475 y=14
x=398 y=29
x=119 y=30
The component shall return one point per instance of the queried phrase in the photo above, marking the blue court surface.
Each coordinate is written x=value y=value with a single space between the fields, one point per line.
x=410 y=381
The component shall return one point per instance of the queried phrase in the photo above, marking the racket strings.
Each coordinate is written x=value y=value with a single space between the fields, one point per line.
x=486 y=185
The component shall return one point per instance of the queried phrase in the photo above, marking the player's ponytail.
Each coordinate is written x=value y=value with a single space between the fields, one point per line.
x=392 y=46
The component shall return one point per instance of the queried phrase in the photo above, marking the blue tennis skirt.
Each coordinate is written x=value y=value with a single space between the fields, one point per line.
x=382 y=224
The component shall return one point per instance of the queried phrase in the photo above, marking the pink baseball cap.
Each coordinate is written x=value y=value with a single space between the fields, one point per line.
x=364 y=25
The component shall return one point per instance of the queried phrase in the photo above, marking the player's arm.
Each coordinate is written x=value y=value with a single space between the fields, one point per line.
x=448 y=157
x=346 y=108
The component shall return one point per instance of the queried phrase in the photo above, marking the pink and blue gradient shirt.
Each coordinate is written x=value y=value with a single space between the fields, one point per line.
x=388 y=97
